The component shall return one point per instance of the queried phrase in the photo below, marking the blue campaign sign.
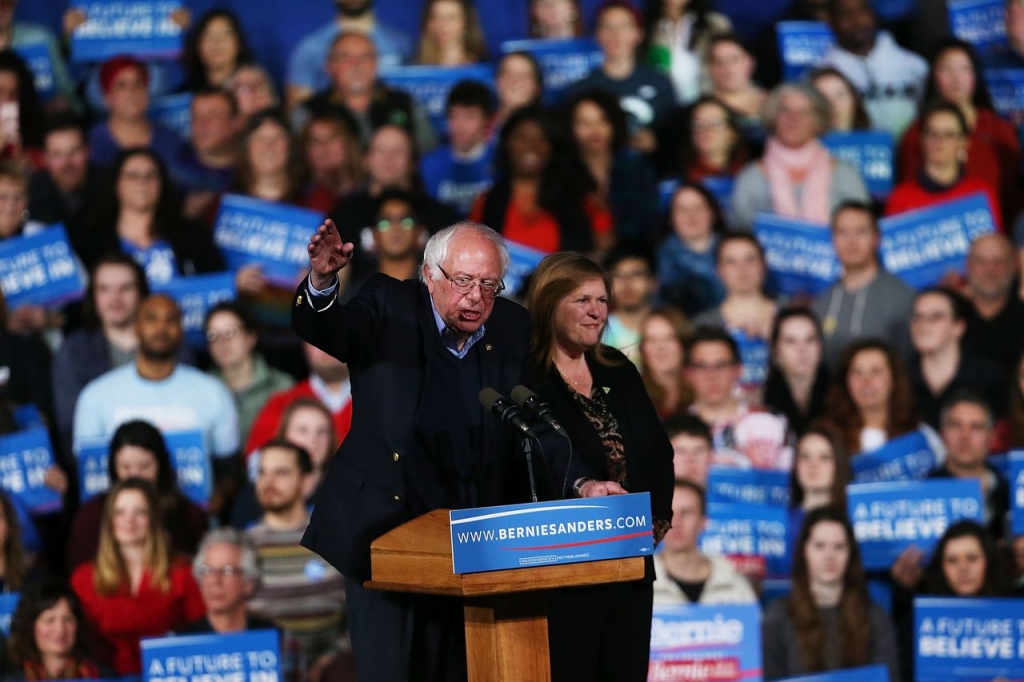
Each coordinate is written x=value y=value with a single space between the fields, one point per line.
x=802 y=44
x=25 y=457
x=429 y=85
x=27 y=416
x=39 y=61
x=40 y=269
x=93 y=475
x=754 y=354
x=922 y=246
x=545 y=533
x=173 y=112
x=890 y=517
x=195 y=295
x=905 y=458
x=274 y=236
x=981 y=23
x=1006 y=86
x=799 y=254
x=192 y=465
x=562 y=62
x=522 y=262
x=720 y=187
x=1016 y=479
x=870 y=152
x=751 y=486
x=958 y=639
x=8 y=602
x=253 y=656
x=143 y=28
x=867 y=673
x=894 y=10
x=748 y=533
x=706 y=642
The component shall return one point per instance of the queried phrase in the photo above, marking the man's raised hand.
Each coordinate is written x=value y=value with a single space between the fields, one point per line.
x=327 y=255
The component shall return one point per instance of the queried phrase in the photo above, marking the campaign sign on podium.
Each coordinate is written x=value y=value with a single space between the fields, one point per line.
x=705 y=642
x=968 y=639
x=253 y=656
x=867 y=673
x=546 y=533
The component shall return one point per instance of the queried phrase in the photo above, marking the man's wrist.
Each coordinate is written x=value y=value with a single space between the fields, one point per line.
x=577 y=487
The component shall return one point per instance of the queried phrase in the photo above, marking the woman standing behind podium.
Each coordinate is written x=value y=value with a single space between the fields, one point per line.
x=619 y=446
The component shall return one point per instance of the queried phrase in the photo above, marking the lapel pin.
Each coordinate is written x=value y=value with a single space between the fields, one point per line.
x=606 y=390
x=298 y=300
x=487 y=346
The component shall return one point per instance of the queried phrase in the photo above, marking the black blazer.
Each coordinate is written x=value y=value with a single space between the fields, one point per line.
x=385 y=335
x=648 y=451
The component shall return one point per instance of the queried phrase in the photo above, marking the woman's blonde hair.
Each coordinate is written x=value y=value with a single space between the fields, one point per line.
x=111 y=572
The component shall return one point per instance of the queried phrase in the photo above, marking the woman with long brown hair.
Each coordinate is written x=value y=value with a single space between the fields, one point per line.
x=662 y=358
x=450 y=34
x=828 y=622
x=135 y=588
x=872 y=401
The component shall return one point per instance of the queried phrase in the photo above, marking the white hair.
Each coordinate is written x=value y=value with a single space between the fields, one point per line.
x=229 y=536
x=436 y=250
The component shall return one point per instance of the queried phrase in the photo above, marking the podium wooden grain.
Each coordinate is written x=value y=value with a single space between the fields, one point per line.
x=505 y=611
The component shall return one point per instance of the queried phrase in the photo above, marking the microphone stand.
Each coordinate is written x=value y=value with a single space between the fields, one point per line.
x=527 y=448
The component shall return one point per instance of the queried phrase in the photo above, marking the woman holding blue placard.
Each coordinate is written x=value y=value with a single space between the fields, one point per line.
x=828 y=622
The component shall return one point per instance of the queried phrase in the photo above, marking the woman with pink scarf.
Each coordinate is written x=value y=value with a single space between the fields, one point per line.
x=796 y=177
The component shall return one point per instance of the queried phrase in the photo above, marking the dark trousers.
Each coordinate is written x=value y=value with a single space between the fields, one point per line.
x=600 y=633
x=400 y=637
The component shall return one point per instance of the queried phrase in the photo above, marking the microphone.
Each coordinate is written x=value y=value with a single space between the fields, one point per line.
x=504 y=410
x=539 y=411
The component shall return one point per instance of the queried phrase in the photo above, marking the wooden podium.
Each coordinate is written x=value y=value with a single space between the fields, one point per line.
x=506 y=630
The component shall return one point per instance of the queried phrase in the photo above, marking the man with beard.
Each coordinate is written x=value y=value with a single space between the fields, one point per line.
x=995 y=325
x=174 y=397
x=306 y=73
x=299 y=592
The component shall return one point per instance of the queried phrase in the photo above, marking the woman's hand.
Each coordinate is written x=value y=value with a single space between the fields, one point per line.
x=56 y=479
x=182 y=17
x=27 y=319
x=73 y=18
x=249 y=280
x=601 y=489
x=327 y=255
x=907 y=569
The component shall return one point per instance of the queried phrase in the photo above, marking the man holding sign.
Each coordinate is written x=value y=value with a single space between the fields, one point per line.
x=416 y=444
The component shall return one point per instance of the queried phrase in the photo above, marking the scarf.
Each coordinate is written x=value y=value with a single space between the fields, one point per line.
x=814 y=162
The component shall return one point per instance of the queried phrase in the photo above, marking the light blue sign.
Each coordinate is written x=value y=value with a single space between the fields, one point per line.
x=750 y=486
x=93 y=474
x=802 y=44
x=1006 y=86
x=562 y=62
x=195 y=295
x=192 y=465
x=981 y=23
x=40 y=269
x=923 y=246
x=751 y=535
x=429 y=85
x=25 y=457
x=546 y=533
x=706 y=642
x=890 y=517
x=905 y=458
x=142 y=28
x=870 y=152
x=273 y=236
x=38 y=59
x=867 y=673
x=799 y=254
x=8 y=602
x=523 y=260
x=173 y=112
x=964 y=640
x=253 y=656
x=1016 y=479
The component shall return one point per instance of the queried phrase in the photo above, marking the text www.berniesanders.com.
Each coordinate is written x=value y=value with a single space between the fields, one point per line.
x=551 y=529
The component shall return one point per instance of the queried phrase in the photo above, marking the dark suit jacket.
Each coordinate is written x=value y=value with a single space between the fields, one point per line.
x=648 y=451
x=385 y=335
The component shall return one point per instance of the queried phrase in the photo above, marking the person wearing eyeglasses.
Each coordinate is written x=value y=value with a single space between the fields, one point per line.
x=419 y=353
x=227 y=570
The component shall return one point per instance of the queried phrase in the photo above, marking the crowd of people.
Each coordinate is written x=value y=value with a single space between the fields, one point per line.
x=645 y=177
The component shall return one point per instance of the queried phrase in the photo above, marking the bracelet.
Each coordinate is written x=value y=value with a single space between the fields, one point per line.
x=578 y=485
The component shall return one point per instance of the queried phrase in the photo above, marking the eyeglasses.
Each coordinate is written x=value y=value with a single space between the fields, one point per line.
x=464 y=285
x=214 y=335
x=206 y=571
x=385 y=224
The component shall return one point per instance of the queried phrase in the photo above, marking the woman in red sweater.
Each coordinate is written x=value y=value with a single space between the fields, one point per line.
x=942 y=176
x=134 y=589
x=993 y=150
